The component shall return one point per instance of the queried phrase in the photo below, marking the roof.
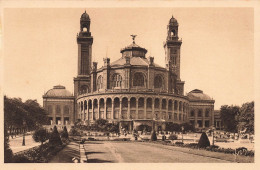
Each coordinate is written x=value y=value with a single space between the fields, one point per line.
x=197 y=94
x=132 y=47
x=137 y=61
x=58 y=91
x=173 y=21
x=84 y=16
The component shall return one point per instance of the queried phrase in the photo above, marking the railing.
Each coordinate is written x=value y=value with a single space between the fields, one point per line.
x=120 y=90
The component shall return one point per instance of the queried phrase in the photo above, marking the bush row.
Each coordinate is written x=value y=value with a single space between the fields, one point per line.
x=215 y=148
x=41 y=154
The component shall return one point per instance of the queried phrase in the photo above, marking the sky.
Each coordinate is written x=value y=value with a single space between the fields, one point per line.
x=217 y=52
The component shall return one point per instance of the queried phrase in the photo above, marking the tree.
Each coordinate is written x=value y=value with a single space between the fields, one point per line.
x=20 y=116
x=188 y=127
x=55 y=137
x=153 y=136
x=64 y=133
x=228 y=115
x=8 y=154
x=246 y=118
x=170 y=126
x=204 y=141
x=40 y=135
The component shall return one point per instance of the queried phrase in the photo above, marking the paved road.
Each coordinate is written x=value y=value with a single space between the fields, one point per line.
x=137 y=152
x=66 y=154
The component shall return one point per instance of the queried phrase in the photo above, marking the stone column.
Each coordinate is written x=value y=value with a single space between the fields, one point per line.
x=167 y=112
x=136 y=112
x=112 y=113
x=92 y=109
x=120 y=109
x=87 y=114
x=61 y=115
x=105 y=109
x=196 y=117
x=203 y=118
x=153 y=108
x=98 y=113
x=178 y=110
x=145 y=100
x=128 y=109
x=160 y=108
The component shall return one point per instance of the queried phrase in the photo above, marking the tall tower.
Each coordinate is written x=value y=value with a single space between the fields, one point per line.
x=172 y=48
x=85 y=41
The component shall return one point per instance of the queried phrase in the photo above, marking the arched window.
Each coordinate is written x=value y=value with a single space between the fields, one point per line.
x=58 y=109
x=66 y=109
x=192 y=114
x=85 y=29
x=50 y=109
x=84 y=89
x=158 y=81
x=99 y=82
x=200 y=113
x=117 y=80
x=138 y=79
x=173 y=33
x=207 y=113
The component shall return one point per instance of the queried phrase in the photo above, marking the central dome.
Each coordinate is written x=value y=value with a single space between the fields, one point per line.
x=58 y=91
x=197 y=94
x=133 y=50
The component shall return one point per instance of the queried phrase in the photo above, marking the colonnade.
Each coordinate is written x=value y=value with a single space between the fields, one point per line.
x=132 y=108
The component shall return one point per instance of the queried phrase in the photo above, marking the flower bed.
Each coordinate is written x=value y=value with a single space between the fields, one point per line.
x=213 y=148
x=41 y=154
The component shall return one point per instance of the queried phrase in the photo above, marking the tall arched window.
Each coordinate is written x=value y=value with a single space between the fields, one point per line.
x=158 y=81
x=66 y=109
x=138 y=79
x=84 y=89
x=58 y=109
x=117 y=80
x=99 y=82
x=50 y=109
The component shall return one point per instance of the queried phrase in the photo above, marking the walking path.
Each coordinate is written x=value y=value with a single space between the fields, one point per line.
x=16 y=143
x=66 y=154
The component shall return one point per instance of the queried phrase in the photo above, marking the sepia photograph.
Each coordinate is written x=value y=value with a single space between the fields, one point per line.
x=128 y=85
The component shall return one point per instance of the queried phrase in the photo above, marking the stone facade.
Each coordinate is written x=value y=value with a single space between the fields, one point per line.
x=59 y=104
x=134 y=90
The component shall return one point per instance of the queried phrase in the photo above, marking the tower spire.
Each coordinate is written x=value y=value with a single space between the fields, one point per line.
x=133 y=37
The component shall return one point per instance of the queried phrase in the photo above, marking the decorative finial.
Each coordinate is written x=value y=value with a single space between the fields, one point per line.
x=133 y=37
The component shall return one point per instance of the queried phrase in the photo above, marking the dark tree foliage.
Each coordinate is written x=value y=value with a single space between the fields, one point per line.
x=144 y=128
x=74 y=131
x=170 y=126
x=188 y=127
x=153 y=136
x=55 y=139
x=229 y=115
x=8 y=154
x=65 y=133
x=40 y=135
x=20 y=116
x=246 y=118
x=204 y=141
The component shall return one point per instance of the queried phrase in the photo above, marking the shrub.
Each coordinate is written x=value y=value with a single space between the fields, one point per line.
x=74 y=132
x=8 y=153
x=179 y=143
x=173 y=137
x=65 y=133
x=40 y=135
x=204 y=141
x=55 y=139
x=21 y=159
x=153 y=136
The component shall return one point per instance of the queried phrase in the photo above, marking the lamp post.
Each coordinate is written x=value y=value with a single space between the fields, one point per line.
x=182 y=129
x=24 y=123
